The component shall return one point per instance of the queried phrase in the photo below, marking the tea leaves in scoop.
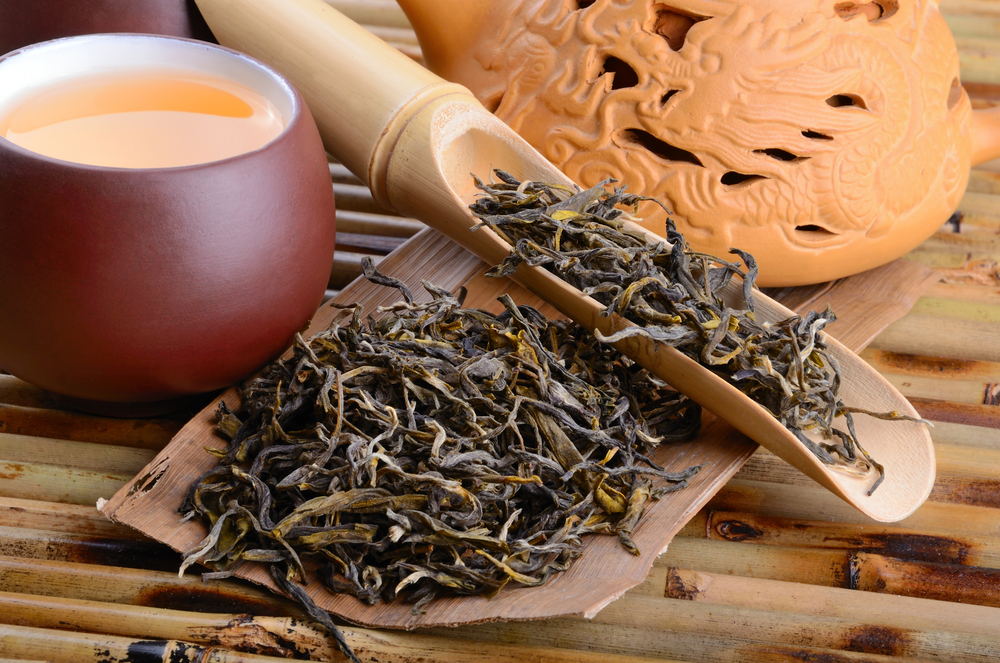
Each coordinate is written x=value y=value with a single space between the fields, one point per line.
x=671 y=293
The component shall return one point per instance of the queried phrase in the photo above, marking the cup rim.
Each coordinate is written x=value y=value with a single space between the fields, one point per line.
x=294 y=116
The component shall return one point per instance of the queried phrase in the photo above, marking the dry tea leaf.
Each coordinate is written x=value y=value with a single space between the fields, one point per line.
x=670 y=292
x=436 y=450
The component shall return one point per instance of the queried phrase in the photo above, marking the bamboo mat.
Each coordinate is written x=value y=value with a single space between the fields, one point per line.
x=772 y=569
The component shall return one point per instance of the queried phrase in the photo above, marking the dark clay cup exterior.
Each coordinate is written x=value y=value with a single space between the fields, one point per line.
x=25 y=22
x=137 y=285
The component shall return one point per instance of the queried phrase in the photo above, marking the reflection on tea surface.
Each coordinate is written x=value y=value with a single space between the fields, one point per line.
x=143 y=119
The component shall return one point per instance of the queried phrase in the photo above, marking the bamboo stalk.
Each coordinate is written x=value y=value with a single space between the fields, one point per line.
x=959 y=310
x=941 y=582
x=400 y=38
x=397 y=647
x=965 y=435
x=69 y=518
x=144 y=433
x=971 y=26
x=357 y=198
x=986 y=8
x=959 y=392
x=830 y=568
x=285 y=637
x=812 y=503
x=341 y=175
x=978 y=45
x=377 y=224
x=941 y=368
x=965 y=475
x=887 y=610
x=797 y=630
x=942 y=260
x=66 y=647
x=969 y=292
x=367 y=244
x=372 y=12
x=979 y=203
x=968 y=463
x=983 y=185
x=65 y=547
x=897 y=542
x=52 y=483
x=609 y=637
x=949 y=245
x=72 y=454
x=959 y=413
x=274 y=636
x=974 y=491
x=156 y=589
x=930 y=336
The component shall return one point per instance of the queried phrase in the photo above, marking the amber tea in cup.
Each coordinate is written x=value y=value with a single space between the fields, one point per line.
x=166 y=218
x=153 y=118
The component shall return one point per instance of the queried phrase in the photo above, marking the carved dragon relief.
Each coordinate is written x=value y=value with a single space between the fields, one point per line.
x=825 y=137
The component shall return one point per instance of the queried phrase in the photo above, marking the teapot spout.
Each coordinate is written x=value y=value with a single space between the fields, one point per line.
x=985 y=135
x=447 y=31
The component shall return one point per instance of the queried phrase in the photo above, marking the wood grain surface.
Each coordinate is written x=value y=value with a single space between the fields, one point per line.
x=771 y=568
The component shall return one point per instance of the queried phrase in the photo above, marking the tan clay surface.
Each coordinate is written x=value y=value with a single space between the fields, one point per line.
x=823 y=137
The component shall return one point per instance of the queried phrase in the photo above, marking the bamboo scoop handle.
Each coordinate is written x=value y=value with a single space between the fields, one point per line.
x=985 y=135
x=358 y=124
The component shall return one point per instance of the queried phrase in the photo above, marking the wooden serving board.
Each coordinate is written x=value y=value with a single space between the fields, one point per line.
x=150 y=501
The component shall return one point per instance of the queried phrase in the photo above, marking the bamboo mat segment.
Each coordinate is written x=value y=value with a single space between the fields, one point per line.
x=771 y=569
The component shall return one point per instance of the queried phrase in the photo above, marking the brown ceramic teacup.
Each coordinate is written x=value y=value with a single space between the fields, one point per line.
x=25 y=22
x=125 y=285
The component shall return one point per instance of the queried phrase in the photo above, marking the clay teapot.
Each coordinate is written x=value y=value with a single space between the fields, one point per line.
x=825 y=137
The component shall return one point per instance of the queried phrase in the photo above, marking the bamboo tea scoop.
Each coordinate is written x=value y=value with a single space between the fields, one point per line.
x=415 y=138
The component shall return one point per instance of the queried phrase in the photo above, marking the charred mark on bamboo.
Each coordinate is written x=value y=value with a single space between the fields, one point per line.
x=779 y=654
x=929 y=580
x=677 y=588
x=213 y=599
x=991 y=394
x=915 y=547
x=969 y=491
x=916 y=364
x=899 y=545
x=882 y=640
x=735 y=530
x=153 y=651
x=127 y=553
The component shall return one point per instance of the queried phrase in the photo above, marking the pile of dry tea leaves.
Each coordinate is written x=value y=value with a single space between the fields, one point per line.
x=436 y=450
x=671 y=293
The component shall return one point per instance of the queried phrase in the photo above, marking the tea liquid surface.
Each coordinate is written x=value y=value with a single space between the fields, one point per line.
x=147 y=119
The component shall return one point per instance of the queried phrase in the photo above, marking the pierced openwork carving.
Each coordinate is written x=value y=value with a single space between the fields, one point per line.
x=824 y=137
